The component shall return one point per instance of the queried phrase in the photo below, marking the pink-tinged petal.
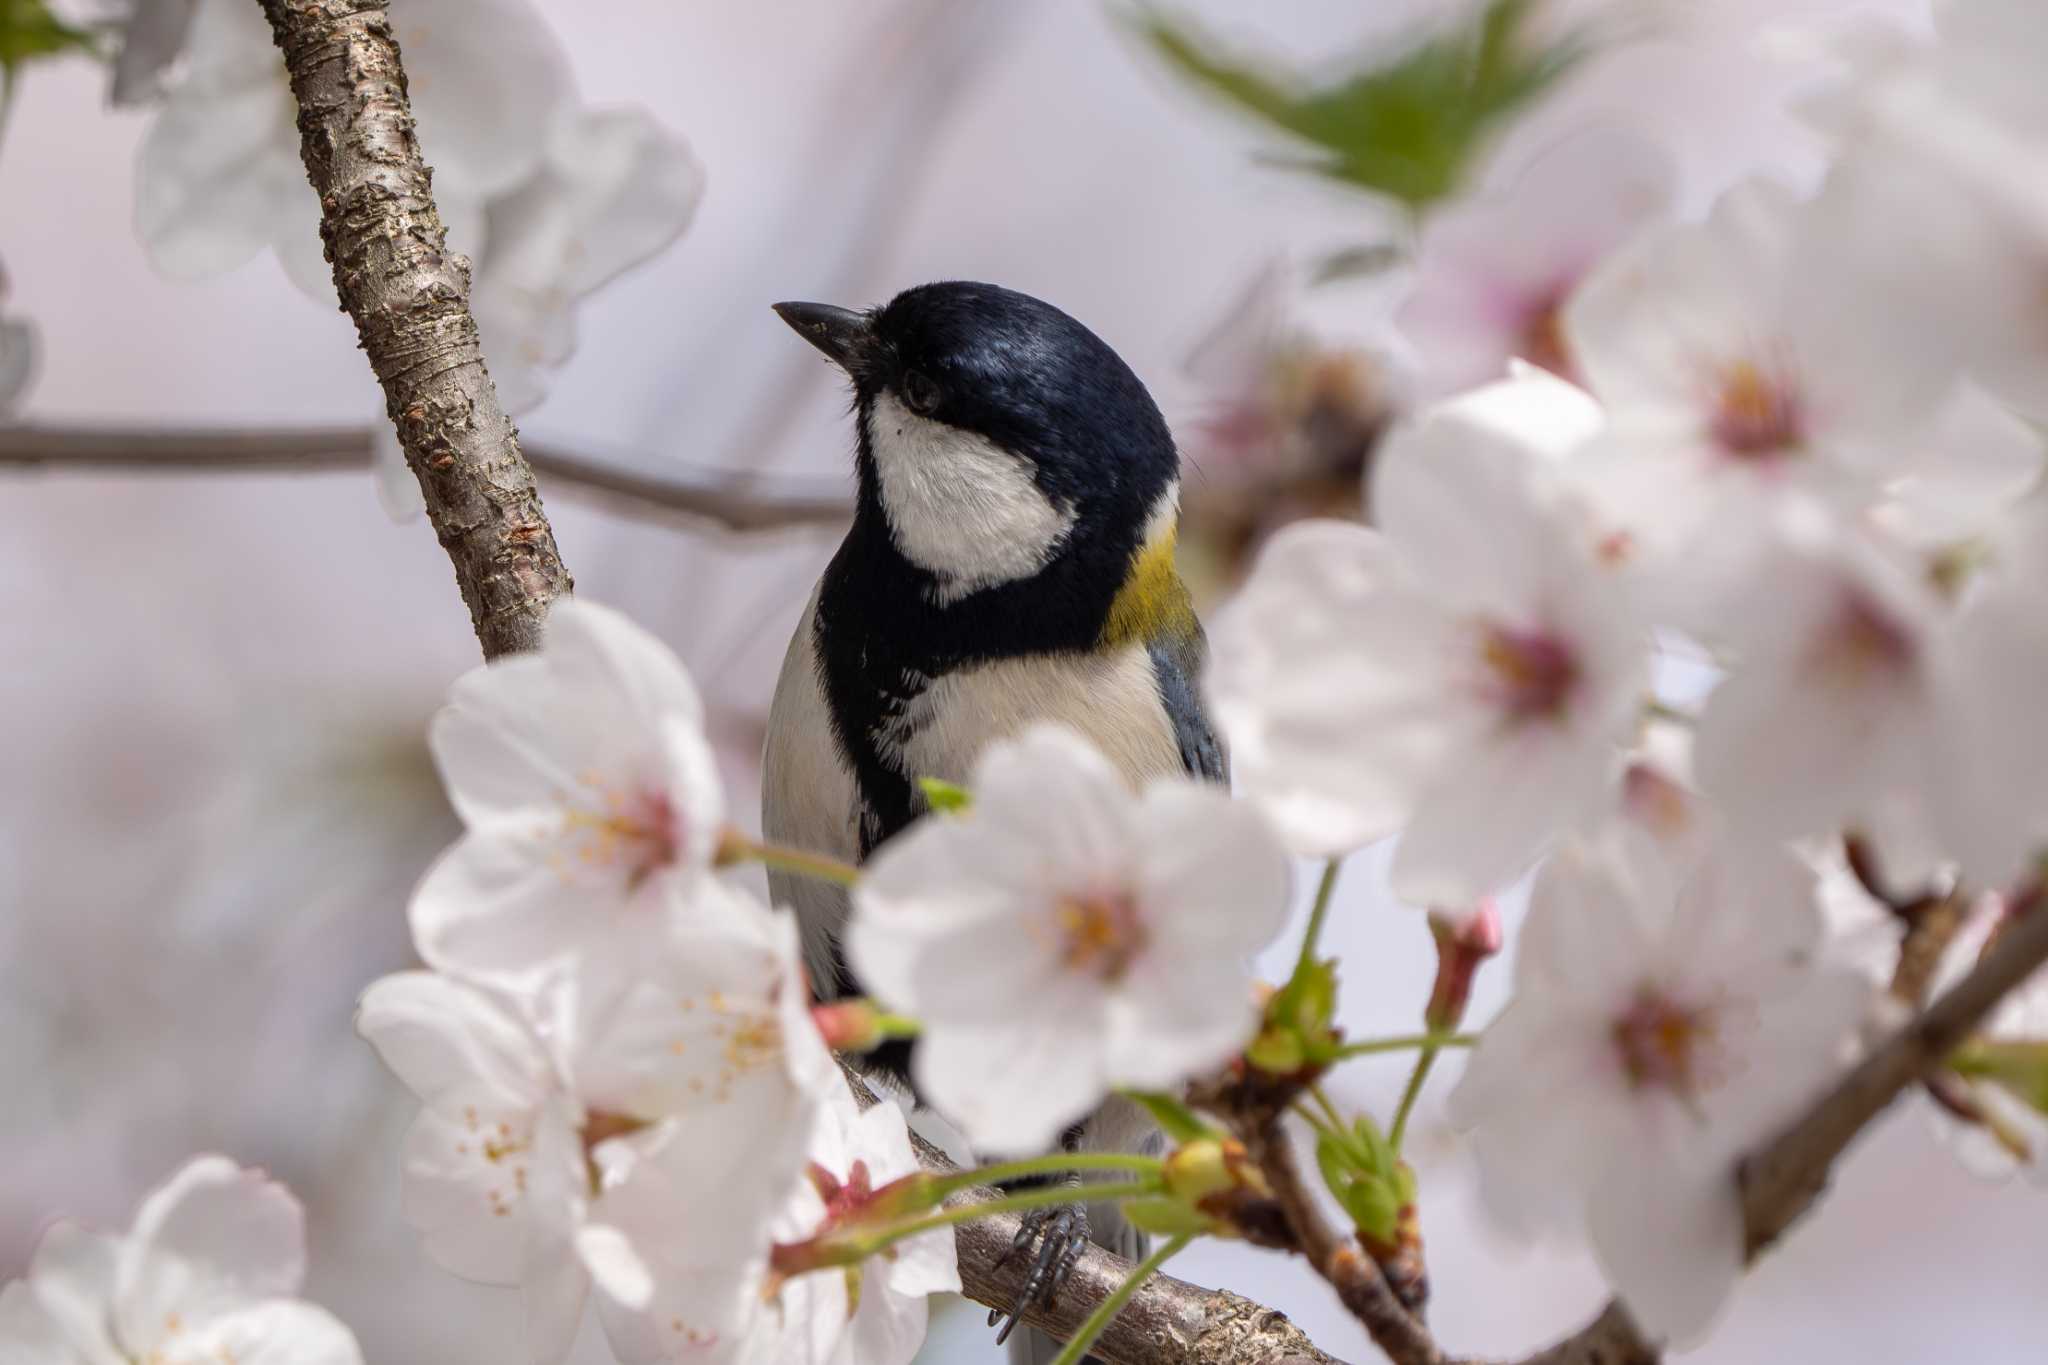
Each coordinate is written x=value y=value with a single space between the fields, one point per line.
x=1327 y=677
x=29 y=1335
x=1213 y=879
x=440 y=1037
x=1169 y=1022
x=471 y=1186
x=212 y=174
x=1493 y=273
x=1670 y=1242
x=75 y=1278
x=597 y=652
x=272 y=1332
x=1483 y=824
x=1055 y=794
x=1597 y=912
x=483 y=114
x=1014 y=1085
x=510 y=748
x=214 y=1234
x=552 y=1287
x=1460 y=489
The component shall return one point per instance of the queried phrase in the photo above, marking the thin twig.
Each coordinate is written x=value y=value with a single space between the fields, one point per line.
x=732 y=502
x=409 y=298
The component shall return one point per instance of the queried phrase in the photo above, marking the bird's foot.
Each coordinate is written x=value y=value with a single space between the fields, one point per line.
x=1061 y=1235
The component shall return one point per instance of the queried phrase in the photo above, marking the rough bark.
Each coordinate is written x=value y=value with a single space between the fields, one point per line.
x=409 y=297
x=720 y=500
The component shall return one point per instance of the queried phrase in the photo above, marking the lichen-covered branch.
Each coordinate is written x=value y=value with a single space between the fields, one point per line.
x=718 y=500
x=409 y=297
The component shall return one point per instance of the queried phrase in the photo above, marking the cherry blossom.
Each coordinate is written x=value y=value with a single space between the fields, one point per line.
x=208 y=1272
x=1934 y=204
x=683 y=1110
x=1658 y=1029
x=1068 y=936
x=1827 y=721
x=1287 y=423
x=1733 y=376
x=1469 y=672
x=591 y=801
x=1493 y=273
x=726 y=1303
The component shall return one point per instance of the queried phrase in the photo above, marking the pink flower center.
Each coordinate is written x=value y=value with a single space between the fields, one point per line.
x=1665 y=1045
x=637 y=830
x=1861 y=644
x=1529 y=674
x=1757 y=415
x=1542 y=340
x=1099 y=934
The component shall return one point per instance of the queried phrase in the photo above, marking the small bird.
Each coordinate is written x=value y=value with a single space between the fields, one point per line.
x=1011 y=561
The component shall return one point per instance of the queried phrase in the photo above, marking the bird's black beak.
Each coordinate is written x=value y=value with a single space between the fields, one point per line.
x=847 y=338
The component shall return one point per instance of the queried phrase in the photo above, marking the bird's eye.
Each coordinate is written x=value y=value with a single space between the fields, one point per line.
x=920 y=392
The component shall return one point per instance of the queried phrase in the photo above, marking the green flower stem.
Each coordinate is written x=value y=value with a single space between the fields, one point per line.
x=1406 y=1042
x=735 y=847
x=1317 y=915
x=1059 y=1163
x=1409 y=1095
x=1107 y=1310
x=1022 y=1202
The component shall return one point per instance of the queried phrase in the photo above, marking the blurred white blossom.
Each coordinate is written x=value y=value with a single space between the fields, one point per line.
x=209 y=1271
x=1068 y=936
x=1828 y=720
x=1469 y=672
x=1493 y=273
x=1731 y=379
x=1658 y=1029
x=592 y=804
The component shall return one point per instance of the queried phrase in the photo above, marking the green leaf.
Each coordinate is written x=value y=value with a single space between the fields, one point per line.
x=2018 y=1066
x=1375 y=1209
x=28 y=30
x=1410 y=127
x=944 y=797
x=1175 y=1119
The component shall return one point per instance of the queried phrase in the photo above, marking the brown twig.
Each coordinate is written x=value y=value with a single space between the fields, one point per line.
x=409 y=297
x=1359 y=1282
x=1167 y=1321
x=724 y=500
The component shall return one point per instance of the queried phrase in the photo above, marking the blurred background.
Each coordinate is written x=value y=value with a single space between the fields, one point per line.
x=214 y=790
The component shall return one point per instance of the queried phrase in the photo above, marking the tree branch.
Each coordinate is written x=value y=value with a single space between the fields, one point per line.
x=722 y=500
x=409 y=298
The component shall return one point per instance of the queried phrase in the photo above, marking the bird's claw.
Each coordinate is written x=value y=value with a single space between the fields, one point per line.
x=1061 y=1235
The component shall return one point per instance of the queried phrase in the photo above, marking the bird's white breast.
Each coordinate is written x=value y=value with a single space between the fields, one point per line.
x=964 y=510
x=1110 y=697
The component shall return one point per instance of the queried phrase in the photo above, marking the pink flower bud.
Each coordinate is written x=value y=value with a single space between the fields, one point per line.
x=1464 y=939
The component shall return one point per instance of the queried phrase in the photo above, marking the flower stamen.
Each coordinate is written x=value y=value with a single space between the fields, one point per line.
x=1100 y=934
x=1756 y=415
x=1530 y=674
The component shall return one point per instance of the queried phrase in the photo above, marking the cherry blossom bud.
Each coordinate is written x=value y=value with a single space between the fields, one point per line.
x=1463 y=941
x=859 y=1025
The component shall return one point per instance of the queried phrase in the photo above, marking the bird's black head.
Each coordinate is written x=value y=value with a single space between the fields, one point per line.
x=998 y=436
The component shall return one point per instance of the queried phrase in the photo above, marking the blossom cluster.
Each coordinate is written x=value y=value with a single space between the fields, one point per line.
x=209 y=1272
x=624 y=1096
x=550 y=198
x=1782 y=457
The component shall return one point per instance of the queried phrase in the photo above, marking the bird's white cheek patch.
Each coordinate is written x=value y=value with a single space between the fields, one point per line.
x=961 y=509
